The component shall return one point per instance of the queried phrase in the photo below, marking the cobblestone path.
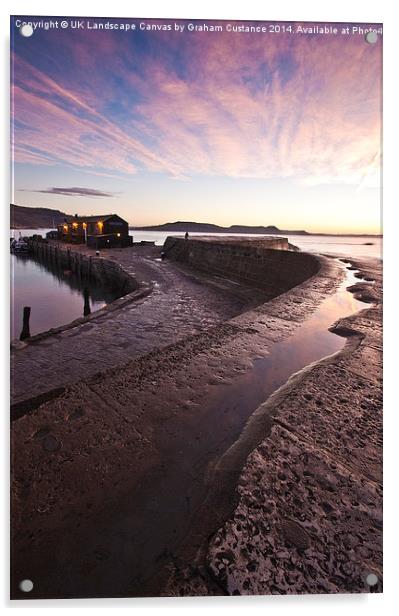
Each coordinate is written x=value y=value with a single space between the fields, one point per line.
x=179 y=305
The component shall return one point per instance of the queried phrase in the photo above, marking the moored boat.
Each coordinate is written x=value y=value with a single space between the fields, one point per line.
x=19 y=246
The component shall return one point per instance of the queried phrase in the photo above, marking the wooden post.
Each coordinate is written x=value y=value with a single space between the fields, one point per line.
x=86 y=308
x=25 y=324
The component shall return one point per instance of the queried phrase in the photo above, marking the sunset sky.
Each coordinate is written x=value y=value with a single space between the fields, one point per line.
x=257 y=129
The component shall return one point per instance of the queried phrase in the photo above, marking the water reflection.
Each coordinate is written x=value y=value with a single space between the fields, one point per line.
x=311 y=342
x=55 y=295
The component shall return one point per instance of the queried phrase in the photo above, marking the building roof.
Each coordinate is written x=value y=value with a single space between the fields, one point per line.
x=101 y=218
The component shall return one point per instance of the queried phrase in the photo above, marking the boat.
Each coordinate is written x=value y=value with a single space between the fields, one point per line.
x=19 y=246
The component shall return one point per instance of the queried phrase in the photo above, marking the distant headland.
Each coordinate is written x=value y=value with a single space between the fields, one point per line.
x=203 y=227
x=25 y=217
x=22 y=217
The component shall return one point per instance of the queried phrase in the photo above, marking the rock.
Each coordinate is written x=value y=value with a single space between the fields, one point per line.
x=226 y=555
x=295 y=534
x=252 y=565
x=50 y=443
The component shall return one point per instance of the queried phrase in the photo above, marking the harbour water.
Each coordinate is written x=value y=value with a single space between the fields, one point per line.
x=55 y=296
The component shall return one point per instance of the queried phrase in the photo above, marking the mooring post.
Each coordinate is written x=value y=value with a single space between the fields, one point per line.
x=25 y=333
x=86 y=308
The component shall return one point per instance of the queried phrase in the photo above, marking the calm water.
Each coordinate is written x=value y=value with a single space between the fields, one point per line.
x=354 y=246
x=311 y=342
x=55 y=297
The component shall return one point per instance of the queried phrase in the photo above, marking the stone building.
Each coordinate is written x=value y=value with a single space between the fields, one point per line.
x=104 y=231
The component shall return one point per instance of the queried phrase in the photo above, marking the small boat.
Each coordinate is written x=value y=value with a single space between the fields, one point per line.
x=19 y=247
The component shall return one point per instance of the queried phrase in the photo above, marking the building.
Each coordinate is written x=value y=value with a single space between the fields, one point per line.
x=106 y=231
x=52 y=235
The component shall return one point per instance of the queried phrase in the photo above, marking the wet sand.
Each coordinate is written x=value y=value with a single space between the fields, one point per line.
x=123 y=464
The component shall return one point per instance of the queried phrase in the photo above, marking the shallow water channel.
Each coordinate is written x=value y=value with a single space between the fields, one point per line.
x=310 y=342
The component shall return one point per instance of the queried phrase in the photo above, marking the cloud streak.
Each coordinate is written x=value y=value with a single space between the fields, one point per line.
x=74 y=192
x=303 y=108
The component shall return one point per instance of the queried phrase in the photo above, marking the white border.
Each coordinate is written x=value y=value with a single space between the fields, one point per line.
x=336 y=10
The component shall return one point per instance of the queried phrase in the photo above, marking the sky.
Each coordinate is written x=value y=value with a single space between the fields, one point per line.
x=219 y=127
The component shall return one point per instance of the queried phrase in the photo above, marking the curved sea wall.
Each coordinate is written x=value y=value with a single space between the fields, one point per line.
x=263 y=264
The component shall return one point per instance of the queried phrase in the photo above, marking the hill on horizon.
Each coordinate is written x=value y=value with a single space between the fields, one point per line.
x=203 y=227
x=24 y=217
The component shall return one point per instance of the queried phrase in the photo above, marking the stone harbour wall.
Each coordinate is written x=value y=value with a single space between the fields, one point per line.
x=99 y=269
x=264 y=264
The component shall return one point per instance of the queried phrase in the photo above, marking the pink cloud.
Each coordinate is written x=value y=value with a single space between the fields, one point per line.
x=296 y=107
